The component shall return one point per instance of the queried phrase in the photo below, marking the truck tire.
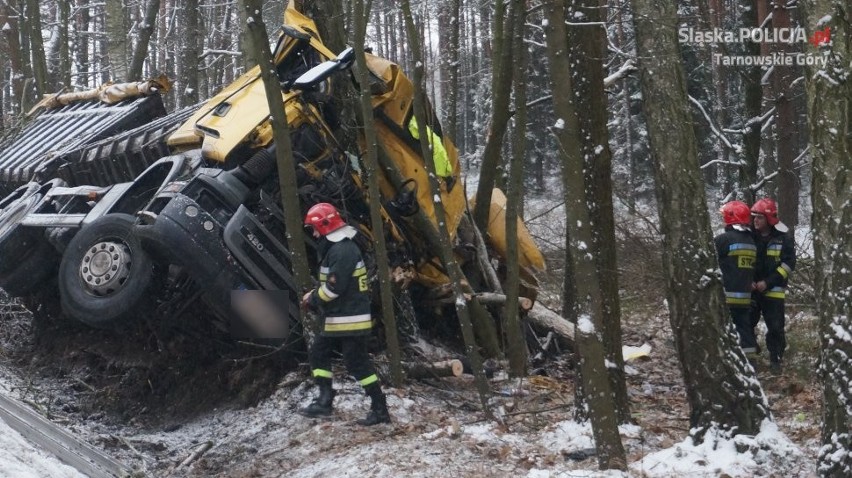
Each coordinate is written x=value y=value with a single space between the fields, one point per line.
x=30 y=272
x=17 y=241
x=105 y=275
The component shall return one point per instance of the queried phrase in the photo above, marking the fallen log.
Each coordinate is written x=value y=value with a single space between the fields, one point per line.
x=195 y=455
x=550 y=320
x=489 y=298
x=445 y=368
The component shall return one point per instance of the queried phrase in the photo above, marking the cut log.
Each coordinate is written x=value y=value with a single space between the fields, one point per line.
x=489 y=298
x=550 y=320
x=445 y=368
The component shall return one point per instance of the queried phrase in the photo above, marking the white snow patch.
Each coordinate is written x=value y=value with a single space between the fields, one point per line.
x=20 y=459
x=585 y=324
x=768 y=450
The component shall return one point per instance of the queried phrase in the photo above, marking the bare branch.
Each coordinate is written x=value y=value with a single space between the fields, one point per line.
x=627 y=68
x=735 y=148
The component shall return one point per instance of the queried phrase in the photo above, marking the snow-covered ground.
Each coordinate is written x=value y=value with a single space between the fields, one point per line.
x=21 y=459
x=768 y=451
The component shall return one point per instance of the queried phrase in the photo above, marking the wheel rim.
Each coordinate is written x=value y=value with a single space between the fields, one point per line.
x=105 y=267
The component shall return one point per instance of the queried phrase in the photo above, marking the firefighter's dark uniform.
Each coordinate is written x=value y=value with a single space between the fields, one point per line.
x=776 y=259
x=344 y=299
x=737 y=254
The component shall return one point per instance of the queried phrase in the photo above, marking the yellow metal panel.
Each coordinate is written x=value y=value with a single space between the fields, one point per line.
x=528 y=252
x=244 y=120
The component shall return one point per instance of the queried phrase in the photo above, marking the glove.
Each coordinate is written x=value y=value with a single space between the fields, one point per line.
x=306 y=299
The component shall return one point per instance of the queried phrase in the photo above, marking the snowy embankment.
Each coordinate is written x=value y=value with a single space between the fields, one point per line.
x=21 y=459
x=768 y=452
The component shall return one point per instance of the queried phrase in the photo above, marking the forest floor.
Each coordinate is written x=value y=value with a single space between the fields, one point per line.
x=101 y=386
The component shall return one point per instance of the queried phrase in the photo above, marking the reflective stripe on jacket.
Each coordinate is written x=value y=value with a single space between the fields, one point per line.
x=737 y=253
x=776 y=259
x=344 y=293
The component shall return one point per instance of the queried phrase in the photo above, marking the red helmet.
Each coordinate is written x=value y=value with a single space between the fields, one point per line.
x=324 y=218
x=768 y=208
x=735 y=212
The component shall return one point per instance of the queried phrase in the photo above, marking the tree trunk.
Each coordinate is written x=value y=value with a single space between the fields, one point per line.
x=190 y=51
x=587 y=51
x=101 y=59
x=829 y=104
x=258 y=39
x=248 y=59
x=451 y=99
x=751 y=107
x=64 y=52
x=361 y=14
x=720 y=385
x=590 y=304
x=516 y=349
x=37 y=47
x=445 y=250
x=116 y=31
x=501 y=72
x=788 y=176
x=146 y=29
x=16 y=56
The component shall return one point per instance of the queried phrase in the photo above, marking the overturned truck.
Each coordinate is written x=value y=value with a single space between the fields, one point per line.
x=122 y=209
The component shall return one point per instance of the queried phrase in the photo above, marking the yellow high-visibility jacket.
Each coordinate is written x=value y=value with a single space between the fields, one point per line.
x=443 y=167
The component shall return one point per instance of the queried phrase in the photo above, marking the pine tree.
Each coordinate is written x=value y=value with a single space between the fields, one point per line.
x=829 y=101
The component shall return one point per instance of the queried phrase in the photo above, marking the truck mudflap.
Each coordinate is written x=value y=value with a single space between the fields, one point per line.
x=183 y=233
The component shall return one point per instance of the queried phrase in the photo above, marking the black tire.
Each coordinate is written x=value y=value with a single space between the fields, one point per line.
x=121 y=297
x=17 y=241
x=30 y=272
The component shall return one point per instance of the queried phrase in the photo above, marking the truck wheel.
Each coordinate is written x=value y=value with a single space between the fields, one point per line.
x=105 y=274
x=17 y=241
x=30 y=271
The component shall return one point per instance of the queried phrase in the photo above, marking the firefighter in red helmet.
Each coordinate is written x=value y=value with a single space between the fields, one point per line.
x=343 y=297
x=776 y=259
x=737 y=253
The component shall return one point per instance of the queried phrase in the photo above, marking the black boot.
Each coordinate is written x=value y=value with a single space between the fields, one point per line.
x=775 y=367
x=378 y=407
x=321 y=406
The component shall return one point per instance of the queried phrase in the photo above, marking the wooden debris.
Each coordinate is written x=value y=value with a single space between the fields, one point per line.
x=550 y=320
x=195 y=455
x=445 y=368
x=489 y=298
